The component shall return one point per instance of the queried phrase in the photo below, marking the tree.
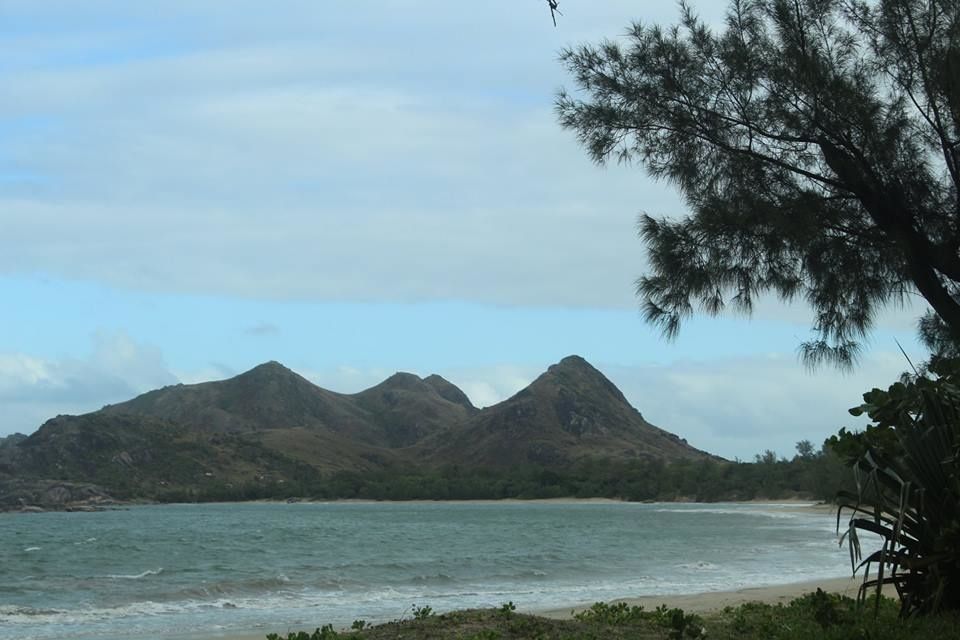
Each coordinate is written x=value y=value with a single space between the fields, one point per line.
x=817 y=145
x=805 y=450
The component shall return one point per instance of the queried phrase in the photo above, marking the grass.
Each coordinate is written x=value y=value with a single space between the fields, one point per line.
x=816 y=616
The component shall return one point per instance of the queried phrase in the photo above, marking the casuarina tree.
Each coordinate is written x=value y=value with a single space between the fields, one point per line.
x=817 y=146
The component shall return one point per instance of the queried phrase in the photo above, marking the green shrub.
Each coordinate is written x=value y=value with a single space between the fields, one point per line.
x=614 y=614
x=421 y=613
x=326 y=632
x=908 y=489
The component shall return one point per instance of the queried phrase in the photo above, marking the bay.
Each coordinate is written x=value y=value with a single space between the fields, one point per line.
x=177 y=571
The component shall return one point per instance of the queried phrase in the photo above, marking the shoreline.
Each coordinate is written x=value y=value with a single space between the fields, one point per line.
x=712 y=601
x=801 y=503
x=702 y=603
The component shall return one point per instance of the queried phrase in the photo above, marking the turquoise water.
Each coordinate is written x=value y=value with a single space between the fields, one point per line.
x=203 y=570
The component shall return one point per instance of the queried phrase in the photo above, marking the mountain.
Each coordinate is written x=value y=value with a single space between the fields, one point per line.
x=269 y=396
x=410 y=408
x=451 y=392
x=270 y=430
x=570 y=412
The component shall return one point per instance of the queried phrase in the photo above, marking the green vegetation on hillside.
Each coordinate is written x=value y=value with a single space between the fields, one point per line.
x=811 y=475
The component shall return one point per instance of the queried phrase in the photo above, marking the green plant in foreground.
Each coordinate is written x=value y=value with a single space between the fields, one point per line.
x=907 y=467
x=815 y=616
x=358 y=625
x=326 y=632
x=614 y=614
x=507 y=608
x=679 y=623
x=421 y=613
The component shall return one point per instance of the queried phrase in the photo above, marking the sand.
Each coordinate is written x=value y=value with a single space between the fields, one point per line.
x=716 y=600
x=690 y=602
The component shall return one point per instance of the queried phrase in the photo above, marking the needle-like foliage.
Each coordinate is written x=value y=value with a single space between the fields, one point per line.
x=816 y=143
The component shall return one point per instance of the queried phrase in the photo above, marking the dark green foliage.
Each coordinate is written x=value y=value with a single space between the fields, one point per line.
x=613 y=614
x=326 y=632
x=815 y=477
x=679 y=623
x=817 y=145
x=421 y=613
x=908 y=488
x=812 y=477
x=816 y=616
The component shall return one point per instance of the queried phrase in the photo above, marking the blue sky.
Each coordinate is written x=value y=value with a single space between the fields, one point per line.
x=352 y=188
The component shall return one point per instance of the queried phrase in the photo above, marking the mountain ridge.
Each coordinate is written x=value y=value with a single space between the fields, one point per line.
x=270 y=426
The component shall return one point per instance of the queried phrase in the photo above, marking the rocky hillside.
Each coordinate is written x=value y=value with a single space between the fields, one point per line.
x=572 y=411
x=270 y=427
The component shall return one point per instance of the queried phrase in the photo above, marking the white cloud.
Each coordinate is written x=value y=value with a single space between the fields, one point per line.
x=402 y=151
x=486 y=386
x=740 y=407
x=296 y=166
x=33 y=389
x=262 y=329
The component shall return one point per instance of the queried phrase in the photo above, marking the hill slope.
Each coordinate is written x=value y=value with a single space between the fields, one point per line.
x=570 y=412
x=270 y=427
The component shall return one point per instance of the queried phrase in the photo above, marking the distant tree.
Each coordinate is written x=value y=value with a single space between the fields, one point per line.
x=817 y=145
x=805 y=450
x=767 y=457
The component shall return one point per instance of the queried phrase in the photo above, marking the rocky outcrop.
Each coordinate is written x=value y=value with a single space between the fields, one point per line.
x=47 y=495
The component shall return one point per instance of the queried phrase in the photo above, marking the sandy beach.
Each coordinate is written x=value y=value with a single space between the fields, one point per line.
x=716 y=600
x=691 y=602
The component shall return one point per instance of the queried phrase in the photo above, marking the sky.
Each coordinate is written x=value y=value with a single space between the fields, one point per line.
x=353 y=188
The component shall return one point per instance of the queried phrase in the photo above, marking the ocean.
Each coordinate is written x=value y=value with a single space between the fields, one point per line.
x=180 y=571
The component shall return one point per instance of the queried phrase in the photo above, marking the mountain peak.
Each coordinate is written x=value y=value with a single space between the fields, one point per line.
x=575 y=368
x=574 y=362
x=402 y=380
x=449 y=391
x=269 y=371
x=271 y=366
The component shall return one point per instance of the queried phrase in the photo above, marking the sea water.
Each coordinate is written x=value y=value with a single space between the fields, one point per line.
x=207 y=570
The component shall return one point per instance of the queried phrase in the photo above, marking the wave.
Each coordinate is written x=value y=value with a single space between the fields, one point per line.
x=254 y=587
x=145 y=574
x=439 y=578
x=30 y=549
x=700 y=565
x=740 y=512
x=14 y=610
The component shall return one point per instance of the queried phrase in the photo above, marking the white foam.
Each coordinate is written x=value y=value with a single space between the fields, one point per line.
x=145 y=574
x=738 y=512
x=29 y=549
x=699 y=566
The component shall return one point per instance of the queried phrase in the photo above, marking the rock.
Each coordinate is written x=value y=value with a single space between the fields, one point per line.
x=124 y=458
x=57 y=495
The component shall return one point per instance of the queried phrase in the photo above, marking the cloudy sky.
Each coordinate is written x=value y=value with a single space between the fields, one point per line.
x=353 y=188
